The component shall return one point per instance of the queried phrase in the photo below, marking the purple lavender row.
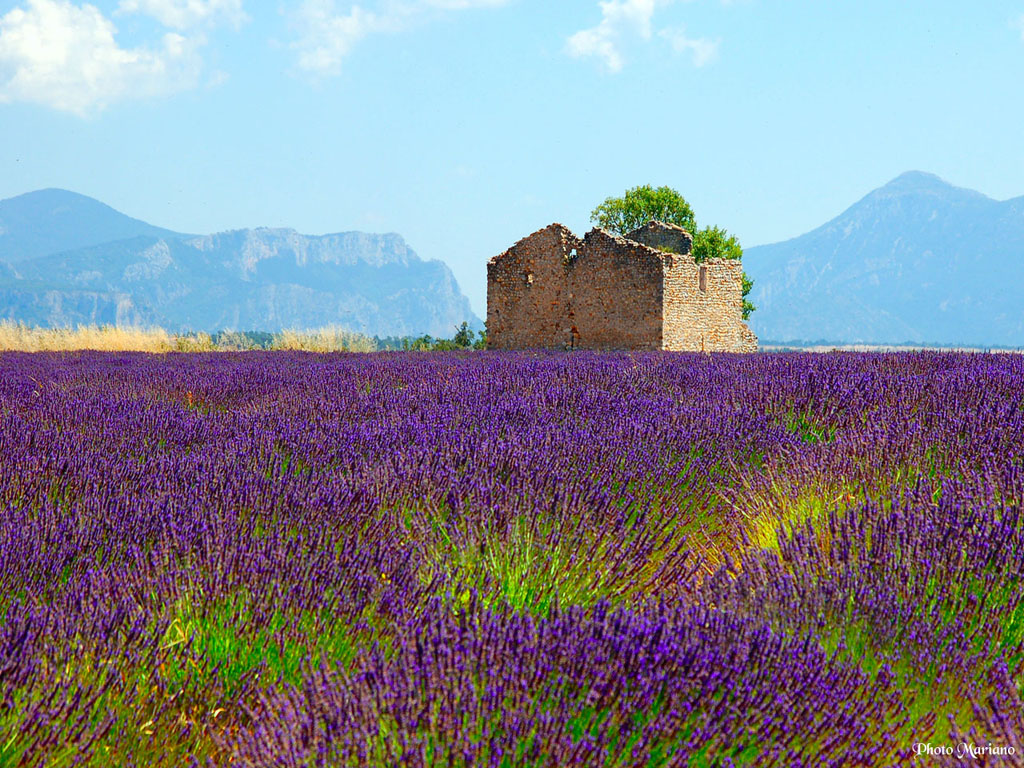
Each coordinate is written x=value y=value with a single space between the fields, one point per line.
x=508 y=559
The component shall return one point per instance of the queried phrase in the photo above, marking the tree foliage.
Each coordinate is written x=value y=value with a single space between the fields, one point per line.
x=640 y=205
x=464 y=339
x=715 y=243
x=748 y=305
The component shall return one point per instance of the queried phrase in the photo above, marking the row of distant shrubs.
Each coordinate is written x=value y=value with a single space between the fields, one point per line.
x=23 y=338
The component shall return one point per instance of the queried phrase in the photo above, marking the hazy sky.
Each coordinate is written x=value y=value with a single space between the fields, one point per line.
x=466 y=124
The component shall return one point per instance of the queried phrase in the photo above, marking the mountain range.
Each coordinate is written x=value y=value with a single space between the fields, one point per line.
x=917 y=260
x=66 y=260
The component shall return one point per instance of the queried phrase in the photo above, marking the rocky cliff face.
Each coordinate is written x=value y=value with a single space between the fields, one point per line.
x=917 y=260
x=252 y=279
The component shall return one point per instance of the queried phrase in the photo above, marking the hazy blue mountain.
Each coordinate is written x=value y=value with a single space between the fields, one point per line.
x=53 y=220
x=917 y=260
x=252 y=279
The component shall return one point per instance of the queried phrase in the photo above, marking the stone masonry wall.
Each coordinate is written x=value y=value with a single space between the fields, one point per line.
x=662 y=236
x=615 y=294
x=708 y=320
x=553 y=290
x=528 y=293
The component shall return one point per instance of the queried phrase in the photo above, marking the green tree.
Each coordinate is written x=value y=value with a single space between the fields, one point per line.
x=423 y=343
x=748 y=305
x=715 y=243
x=463 y=336
x=640 y=205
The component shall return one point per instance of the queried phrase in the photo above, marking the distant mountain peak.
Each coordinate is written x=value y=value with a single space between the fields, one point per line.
x=54 y=198
x=922 y=183
x=919 y=179
x=51 y=193
x=53 y=220
x=916 y=260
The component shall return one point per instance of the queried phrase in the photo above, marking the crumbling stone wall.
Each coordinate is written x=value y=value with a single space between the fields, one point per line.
x=643 y=291
x=705 y=315
x=527 y=291
x=663 y=237
x=615 y=294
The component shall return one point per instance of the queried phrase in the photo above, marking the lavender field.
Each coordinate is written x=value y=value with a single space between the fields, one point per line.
x=489 y=559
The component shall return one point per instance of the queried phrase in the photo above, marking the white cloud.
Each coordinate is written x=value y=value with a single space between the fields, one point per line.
x=618 y=18
x=700 y=48
x=327 y=36
x=599 y=42
x=186 y=14
x=65 y=56
x=624 y=19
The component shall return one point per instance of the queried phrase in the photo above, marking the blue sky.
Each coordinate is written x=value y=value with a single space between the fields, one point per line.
x=466 y=124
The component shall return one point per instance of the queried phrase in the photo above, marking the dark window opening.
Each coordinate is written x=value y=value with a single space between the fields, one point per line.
x=703 y=279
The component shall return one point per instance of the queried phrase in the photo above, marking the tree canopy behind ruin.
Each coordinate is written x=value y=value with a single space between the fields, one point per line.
x=645 y=203
x=642 y=204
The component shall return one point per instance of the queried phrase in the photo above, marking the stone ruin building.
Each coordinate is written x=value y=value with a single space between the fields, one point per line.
x=642 y=291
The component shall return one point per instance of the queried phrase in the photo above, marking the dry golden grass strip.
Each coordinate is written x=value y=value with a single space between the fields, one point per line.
x=18 y=337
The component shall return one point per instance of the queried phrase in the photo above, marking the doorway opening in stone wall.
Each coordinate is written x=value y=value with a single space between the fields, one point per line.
x=703 y=279
x=575 y=338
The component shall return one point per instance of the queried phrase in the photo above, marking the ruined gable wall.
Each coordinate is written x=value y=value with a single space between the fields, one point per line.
x=709 y=320
x=615 y=294
x=527 y=294
x=665 y=237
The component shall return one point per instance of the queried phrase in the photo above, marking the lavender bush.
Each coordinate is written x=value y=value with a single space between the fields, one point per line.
x=289 y=559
